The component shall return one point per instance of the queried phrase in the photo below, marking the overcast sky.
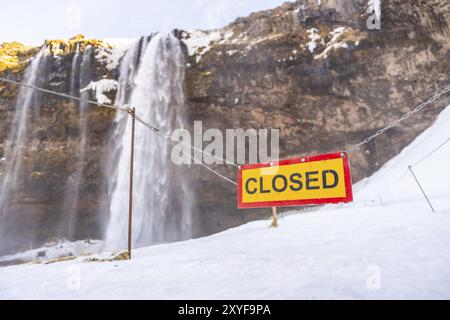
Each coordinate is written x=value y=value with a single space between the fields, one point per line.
x=31 y=22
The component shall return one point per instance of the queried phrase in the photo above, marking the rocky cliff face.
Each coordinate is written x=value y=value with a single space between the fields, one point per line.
x=312 y=70
x=320 y=76
x=36 y=210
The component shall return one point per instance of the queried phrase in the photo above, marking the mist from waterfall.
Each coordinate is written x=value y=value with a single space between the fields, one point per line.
x=27 y=100
x=153 y=83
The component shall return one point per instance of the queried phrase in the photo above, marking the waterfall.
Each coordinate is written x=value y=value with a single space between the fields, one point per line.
x=127 y=72
x=18 y=135
x=162 y=199
x=27 y=100
x=81 y=76
x=74 y=75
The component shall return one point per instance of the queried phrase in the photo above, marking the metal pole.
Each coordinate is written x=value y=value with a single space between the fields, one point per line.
x=421 y=189
x=130 y=200
x=274 y=217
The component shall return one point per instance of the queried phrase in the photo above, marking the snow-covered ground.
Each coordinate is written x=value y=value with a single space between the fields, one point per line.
x=388 y=244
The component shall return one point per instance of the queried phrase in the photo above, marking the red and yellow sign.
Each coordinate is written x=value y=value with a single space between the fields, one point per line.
x=304 y=181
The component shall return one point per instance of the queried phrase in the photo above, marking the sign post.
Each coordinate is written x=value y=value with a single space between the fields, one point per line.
x=274 y=217
x=303 y=181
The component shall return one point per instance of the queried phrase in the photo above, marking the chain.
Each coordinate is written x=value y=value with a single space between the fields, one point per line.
x=128 y=109
x=64 y=95
x=406 y=116
x=125 y=109
x=169 y=139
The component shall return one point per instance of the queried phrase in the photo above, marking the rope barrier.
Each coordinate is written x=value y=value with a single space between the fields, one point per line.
x=63 y=95
x=139 y=119
x=394 y=123
x=431 y=153
x=423 y=159
x=166 y=138
x=171 y=141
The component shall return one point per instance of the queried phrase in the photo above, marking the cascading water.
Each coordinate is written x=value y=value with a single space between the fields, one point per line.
x=151 y=80
x=74 y=76
x=162 y=201
x=27 y=100
x=80 y=78
x=127 y=73
x=21 y=143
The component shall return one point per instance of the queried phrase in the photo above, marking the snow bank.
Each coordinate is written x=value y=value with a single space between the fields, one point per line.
x=332 y=254
x=390 y=249
x=56 y=249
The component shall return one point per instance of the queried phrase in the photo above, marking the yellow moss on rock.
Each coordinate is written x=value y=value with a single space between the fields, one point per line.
x=56 y=260
x=355 y=36
x=61 y=47
x=122 y=256
x=13 y=55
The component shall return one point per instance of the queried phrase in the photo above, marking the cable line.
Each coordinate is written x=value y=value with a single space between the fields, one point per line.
x=139 y=119
x=433 y=152
x=171 y=141
x=65 y=95
x=425 y=158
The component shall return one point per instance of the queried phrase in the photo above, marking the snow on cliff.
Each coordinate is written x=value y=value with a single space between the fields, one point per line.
x=388 y=244
x=100 y=88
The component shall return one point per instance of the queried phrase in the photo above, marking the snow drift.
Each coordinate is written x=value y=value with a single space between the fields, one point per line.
x=387 y=244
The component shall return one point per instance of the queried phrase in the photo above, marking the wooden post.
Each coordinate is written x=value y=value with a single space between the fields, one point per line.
x=421 y=189
x=130 y=200
x=274 y=218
